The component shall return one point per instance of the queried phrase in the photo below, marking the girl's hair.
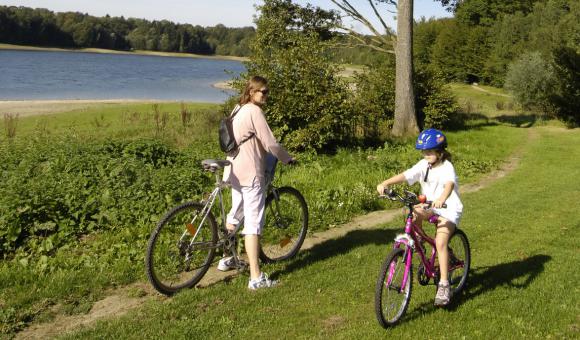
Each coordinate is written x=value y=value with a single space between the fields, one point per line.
x=254 y=83
x=445 y=155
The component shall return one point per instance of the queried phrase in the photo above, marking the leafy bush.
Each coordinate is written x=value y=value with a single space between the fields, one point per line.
x=55 y=190
x=307 y=107
x=374 y=101
x=436 y=105
x=532 y=81
x=566 y=98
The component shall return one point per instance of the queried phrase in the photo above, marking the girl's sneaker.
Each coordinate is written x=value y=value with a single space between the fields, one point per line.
x=261 y=282
x=443 y=295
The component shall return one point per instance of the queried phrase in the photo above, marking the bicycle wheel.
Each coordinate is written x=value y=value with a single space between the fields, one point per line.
x=391 y=298
x=286 y=224
x=459 y=260
x=181 y=248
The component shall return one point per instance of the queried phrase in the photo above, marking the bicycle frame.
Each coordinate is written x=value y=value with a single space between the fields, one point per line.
x=215 y=194
x=412 y=239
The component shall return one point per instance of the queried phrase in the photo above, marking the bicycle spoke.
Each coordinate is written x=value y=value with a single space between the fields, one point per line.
x=181 y=250
x=392 y=295
x=286 y=222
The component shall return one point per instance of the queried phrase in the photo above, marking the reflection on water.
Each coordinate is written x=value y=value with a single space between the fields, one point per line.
x=66 y=75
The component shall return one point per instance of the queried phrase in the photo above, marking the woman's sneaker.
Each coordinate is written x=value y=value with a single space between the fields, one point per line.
x=443 y=295
x=226 y=263
x=262 y=282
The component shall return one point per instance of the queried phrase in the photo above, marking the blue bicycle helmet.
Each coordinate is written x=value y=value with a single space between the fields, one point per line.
x=431 y=139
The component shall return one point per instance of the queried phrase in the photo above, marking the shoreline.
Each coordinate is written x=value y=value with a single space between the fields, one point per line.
x=28 y=108
x=8 y=47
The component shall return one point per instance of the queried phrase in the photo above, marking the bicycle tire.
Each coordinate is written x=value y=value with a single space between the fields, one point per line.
x=285 y=226
x=459 y=251
x=388 y=295
x=166 y=263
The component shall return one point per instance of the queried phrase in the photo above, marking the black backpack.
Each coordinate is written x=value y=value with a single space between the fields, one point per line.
x=228 y=142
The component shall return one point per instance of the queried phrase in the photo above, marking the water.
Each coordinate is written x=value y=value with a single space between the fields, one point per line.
x=39 y=75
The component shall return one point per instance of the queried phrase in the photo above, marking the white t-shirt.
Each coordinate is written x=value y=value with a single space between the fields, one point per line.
x=435 y=186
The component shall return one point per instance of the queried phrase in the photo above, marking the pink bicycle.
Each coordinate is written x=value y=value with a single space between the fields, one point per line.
x=393 y=290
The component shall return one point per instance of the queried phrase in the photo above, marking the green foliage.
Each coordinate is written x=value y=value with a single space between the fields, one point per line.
x=531 y=80
x=435 y=102
x=566 y=98
x=486 y=12
x=307 y=106
x=486 y=36
x=374 y=100
x=56 y=190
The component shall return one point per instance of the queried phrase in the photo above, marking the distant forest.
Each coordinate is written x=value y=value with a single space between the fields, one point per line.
x=41 y=27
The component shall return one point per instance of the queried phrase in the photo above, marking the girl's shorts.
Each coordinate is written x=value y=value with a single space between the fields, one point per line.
x=450 y=215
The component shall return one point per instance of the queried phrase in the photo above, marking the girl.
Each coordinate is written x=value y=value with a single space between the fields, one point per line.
x=439 y=184
x=247 y=174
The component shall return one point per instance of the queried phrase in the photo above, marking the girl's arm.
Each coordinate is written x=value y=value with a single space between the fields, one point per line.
x=447 y=189
x=400 y=178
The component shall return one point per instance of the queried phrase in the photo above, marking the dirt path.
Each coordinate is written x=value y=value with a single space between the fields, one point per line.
x=494 y=93
x=122 y=300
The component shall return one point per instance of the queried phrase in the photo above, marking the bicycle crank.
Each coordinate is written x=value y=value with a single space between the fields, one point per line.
x=422 y=276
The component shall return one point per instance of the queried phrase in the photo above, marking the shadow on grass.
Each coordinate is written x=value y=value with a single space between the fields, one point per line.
x=469 y=121
x=521 y=121
x=515 y=274
x=343 y=245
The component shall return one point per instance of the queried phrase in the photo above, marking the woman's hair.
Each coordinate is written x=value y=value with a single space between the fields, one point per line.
x=255 y=83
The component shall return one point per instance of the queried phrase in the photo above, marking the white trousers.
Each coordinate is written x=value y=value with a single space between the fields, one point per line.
x=248 y=203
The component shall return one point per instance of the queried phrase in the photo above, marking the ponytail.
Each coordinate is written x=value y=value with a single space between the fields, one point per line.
x=445 y=155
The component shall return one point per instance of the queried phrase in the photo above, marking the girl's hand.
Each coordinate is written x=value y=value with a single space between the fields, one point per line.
x=381 y=189
x=437 y=204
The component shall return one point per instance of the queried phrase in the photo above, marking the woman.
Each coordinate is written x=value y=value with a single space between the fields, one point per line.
x=247 y=174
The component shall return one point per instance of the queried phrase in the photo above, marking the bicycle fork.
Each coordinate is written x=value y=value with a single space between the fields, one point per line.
x=408 y=244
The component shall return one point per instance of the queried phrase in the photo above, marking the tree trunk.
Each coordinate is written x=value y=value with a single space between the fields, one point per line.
x=405 y=117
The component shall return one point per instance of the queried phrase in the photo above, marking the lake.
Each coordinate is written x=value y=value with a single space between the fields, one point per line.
x=40 y=75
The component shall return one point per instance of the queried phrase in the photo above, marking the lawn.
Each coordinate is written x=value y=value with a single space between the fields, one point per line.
x=337 y=187
x=523 y=282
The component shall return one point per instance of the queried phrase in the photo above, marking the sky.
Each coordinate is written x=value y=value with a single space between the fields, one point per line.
x=231 y=13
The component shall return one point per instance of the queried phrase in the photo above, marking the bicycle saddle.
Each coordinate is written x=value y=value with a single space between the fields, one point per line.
x=213 y=164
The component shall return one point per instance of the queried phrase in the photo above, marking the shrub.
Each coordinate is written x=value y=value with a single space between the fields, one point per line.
x=55 y=190
x=307 y=107
x=566 y=98
x=532 y=82
x=374 y=101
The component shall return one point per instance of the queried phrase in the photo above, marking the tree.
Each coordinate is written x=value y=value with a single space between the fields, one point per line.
x=307 y=107
x=532 y=81
x=405 y=114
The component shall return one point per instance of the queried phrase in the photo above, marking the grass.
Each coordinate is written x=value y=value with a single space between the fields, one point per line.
x=487 y=101
x=118 y=120
x=523 y=283
x=337 y=187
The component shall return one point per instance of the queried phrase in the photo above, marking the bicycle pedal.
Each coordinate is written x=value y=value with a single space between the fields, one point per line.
x=242 y=265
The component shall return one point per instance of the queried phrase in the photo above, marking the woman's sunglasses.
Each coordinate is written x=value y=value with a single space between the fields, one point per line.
x=266 y=91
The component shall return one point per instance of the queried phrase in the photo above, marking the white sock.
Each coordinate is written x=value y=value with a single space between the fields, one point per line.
x=444 y=283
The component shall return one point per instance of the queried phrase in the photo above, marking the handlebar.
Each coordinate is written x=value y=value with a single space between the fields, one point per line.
x=410 y=199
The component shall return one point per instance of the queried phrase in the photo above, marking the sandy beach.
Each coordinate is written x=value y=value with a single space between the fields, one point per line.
x=24 y=108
